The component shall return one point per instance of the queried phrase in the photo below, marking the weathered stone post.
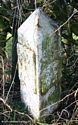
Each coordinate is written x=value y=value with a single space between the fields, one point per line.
x=39 y=63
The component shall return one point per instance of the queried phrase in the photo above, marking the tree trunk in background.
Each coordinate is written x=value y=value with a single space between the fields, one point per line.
x=14 y=43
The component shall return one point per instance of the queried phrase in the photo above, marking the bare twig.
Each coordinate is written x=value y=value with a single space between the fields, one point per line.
x=65 y=110
x=11 y=85
x=35 y=4
x=53 y=1
x=4 y=114
x=4 y=102
x=74 y=12
x=59 y=101
x=21 y=113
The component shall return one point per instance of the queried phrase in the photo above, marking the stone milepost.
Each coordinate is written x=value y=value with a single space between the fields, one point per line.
x=39 y=63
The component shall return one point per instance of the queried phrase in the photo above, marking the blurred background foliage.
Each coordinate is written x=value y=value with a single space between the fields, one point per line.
x=65 y=12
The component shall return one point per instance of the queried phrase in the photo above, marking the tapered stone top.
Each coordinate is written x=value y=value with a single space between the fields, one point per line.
x=39 y=63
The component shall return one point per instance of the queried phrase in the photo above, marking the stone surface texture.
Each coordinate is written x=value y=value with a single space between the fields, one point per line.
x=39 y=63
